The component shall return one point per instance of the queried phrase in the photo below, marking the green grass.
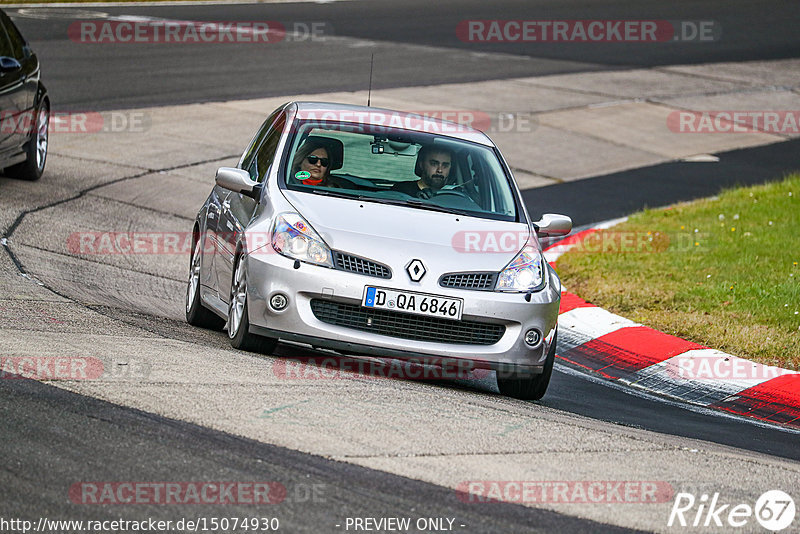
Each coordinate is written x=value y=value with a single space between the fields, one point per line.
x=722 y=271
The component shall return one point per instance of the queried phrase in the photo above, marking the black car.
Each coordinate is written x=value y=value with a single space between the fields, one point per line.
x=24 y=106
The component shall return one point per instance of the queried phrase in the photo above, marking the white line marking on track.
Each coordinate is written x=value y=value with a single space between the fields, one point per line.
x=594 y=322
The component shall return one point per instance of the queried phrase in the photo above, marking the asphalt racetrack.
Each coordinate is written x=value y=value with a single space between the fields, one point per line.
x=341 y=448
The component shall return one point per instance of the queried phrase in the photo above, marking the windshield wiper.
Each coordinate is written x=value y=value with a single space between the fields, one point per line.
x=393 y=202
x=327 y=193
x=348 y=196
x=434 y=207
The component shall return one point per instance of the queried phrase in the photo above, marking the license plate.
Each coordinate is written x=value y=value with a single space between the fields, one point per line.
x=411 y=302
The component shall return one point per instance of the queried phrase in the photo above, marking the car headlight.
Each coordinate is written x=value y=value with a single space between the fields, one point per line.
x=293 y=237
x=524 y=273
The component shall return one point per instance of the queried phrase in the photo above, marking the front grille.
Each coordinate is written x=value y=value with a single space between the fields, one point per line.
x=475 y=281
x=406 y=325
x=354 y=264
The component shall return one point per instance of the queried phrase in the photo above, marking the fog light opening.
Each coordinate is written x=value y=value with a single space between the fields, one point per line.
x=533 y=337
x=278 y=302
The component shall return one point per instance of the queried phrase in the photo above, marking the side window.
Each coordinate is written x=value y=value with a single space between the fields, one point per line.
x=248 y=159
x=476 y=182
x=266 y=152
x=18 y=44
x=5 y=44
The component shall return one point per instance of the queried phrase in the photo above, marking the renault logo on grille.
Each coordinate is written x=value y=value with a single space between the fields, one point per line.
x=415 y=270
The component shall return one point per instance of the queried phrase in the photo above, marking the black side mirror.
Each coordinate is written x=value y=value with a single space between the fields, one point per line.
x=9 y=64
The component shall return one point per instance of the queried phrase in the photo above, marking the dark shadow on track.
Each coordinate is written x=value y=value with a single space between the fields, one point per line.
x=619 y=194
x=586 y=397
x=53 y=439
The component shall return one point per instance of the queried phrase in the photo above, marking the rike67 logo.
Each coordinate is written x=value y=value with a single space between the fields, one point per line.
x=774 y=510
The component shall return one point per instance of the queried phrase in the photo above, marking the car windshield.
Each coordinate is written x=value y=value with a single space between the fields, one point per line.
x=420 y=170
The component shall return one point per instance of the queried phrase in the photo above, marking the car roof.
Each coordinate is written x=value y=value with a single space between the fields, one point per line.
x=392 y=118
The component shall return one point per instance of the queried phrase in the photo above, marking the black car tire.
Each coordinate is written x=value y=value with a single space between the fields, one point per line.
x=526 y=386
x=33 y=166
x=241 y=338
x=196 y=313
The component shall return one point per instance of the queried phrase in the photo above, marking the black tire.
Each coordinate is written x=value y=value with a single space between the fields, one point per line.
x=239 y=330
x=527 y=386
x=33 y=167
x=196 y=313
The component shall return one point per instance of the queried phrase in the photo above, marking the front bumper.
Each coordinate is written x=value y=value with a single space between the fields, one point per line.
x=271 y=273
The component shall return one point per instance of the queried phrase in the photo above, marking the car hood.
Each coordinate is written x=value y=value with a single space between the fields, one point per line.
x=395 y=235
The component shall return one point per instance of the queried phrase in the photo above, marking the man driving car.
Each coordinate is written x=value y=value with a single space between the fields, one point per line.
x=433 y=167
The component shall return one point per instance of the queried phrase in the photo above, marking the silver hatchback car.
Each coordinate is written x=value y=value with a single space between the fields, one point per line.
x=378 y=233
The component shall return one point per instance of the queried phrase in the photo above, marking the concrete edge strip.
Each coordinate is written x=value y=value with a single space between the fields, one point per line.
x=599 y=342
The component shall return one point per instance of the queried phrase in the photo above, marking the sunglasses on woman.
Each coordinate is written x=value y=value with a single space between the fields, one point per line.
x=314 y=159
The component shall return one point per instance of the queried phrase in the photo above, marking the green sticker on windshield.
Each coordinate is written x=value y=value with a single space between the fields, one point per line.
x=302 y=175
